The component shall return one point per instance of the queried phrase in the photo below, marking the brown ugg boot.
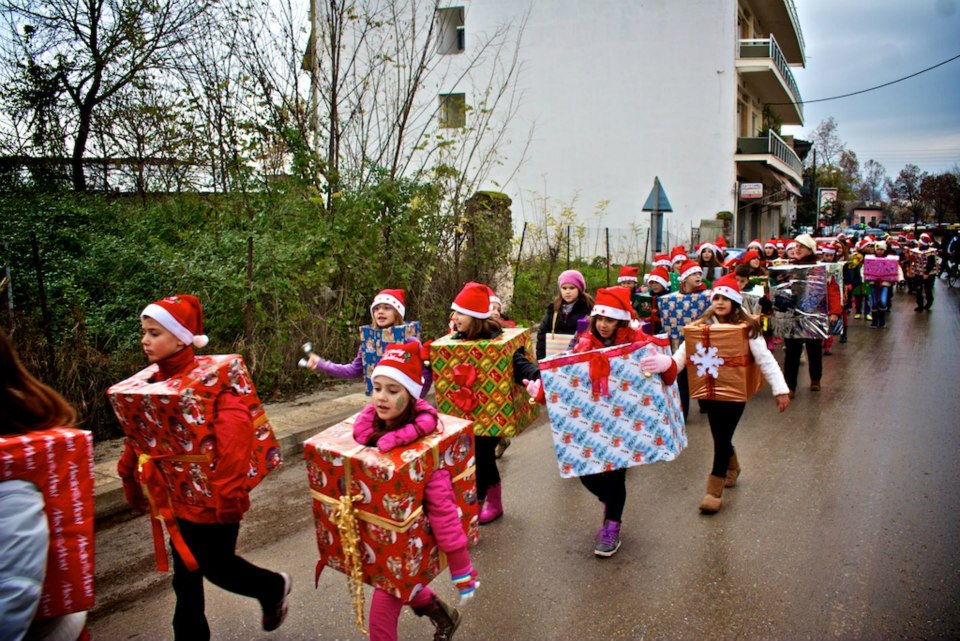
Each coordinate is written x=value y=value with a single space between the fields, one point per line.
x=733 y=471
x=445 y=618
x=713 y=500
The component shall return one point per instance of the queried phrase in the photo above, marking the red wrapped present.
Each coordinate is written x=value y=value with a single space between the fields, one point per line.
x=59 y=462
x=378 y=532
x=720 y=366
x=169 y=425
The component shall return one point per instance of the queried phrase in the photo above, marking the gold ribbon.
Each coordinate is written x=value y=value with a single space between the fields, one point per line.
x=345 y=518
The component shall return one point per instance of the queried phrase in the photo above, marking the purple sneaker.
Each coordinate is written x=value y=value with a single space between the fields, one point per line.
x=608 y=539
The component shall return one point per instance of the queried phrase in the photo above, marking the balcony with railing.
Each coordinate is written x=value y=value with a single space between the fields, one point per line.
x=774 y=152
x=768 y=77
x=780 y=17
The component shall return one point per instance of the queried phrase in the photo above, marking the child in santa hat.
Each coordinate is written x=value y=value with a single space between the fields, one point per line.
x=926 y=273
x=172 y=328
x=882 y=291
x=472 y=321
x=658 y=284
x=708 y=260
x=724 y=416
x=770 y=251
x=386 y=310
x=628 y=277
x=496 y=309
x=397 y=416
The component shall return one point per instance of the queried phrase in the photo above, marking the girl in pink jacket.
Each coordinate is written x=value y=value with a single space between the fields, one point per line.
x=397 y=417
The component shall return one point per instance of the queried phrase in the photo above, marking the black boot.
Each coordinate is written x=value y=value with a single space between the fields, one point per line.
x=444 y=617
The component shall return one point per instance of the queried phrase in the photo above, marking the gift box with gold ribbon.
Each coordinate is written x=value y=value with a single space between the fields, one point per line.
x=474 y=380
x=59 y=461
x=720 y=366
x=374 y=340
x=606 y=413
x=368 y=505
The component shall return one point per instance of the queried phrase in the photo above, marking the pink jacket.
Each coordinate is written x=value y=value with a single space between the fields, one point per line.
x=438 y=498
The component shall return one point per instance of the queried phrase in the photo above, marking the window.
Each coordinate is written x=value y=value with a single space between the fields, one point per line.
x=453 y=110
x=451 y=37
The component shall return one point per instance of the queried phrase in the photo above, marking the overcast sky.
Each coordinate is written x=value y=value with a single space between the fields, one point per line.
x=854 y=45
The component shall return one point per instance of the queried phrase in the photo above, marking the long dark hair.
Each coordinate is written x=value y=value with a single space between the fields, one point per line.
x=26 y=404
x=593 y=327
x=736 y=316
x=406 y=417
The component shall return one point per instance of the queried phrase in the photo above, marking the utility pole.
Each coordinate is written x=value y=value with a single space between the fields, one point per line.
x=314 y=74
x=813 y=192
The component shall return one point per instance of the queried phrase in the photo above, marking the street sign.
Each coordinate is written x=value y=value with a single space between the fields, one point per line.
x=751 y=190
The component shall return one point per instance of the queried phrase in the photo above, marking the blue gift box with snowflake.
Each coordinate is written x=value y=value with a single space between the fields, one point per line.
x=679 y=310
x=607 y=414
x=374 y=340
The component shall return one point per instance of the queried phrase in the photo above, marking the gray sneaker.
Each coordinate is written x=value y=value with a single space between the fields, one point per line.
x=502 y=446
x=608 y=539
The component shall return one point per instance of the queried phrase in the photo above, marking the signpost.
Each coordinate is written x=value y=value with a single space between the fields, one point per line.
x=656 y=204
x=826 y=201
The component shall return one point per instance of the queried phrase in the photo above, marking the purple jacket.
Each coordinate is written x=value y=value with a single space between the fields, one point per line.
x=438 y=497
x=354 y=369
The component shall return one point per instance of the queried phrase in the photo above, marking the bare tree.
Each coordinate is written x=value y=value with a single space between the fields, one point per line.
x=826 y=140
x=905 y=191
x=872 y=180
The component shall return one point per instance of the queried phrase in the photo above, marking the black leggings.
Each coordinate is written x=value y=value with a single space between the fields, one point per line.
x=611 y=489
x=791 y=362
x=925 y=287
x=487 y=472
x=723 y=417
x=214 y=547
x=683 y=387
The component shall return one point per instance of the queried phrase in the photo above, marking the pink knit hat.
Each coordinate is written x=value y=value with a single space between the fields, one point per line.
x=572 y=277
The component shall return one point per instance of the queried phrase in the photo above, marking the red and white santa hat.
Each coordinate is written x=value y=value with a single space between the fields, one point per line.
x=706 y=245
x=628 y=272
x=613 y=302
x=756 y=243
x=772 y=244
x=781 y=243
x=678 y=253
x=868 y=240
x=720 y=244
x=925 y=239
x=659 y=275
x=727 y=286
x=750 y=255
x=401 y=363
x=182 y=316
x=473 y=300
x=662 y=260
x=689 y=268
x=494 y=298
x=393 y=297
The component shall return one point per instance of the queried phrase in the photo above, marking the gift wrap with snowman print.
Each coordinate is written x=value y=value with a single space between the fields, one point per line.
x=380 y=528
x=606 y=413
x=800 y=305
x=169 y=424
x=374 y=341
x=679 y=310
x=474 y=380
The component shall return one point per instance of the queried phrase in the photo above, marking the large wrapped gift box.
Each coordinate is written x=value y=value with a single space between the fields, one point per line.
x=751 y=299
x=374 y=340
x=800 y=305
x=171 y=422
x=474 y=380
x=606 y=414
x=881 y=268
x=720 y=366
x=679 y=310
x=642 y=304
x=59 y=461
x=918 y=261
x=397 y=551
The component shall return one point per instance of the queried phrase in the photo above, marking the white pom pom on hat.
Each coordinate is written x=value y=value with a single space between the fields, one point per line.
x=182 y=316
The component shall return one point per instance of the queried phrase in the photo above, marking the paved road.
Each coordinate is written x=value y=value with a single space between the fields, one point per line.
x=845 y=525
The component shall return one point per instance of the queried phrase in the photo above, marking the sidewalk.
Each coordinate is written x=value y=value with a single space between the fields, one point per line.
x=293 y=422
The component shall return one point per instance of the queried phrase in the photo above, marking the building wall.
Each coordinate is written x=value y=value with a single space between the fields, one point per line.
x=620 y=92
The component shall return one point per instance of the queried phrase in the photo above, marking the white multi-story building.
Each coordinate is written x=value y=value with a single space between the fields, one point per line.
x=621 y=92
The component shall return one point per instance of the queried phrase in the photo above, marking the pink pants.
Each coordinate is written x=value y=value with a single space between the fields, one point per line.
x=385 y=612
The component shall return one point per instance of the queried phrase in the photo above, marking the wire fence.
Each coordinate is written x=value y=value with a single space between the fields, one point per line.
x=632 y=245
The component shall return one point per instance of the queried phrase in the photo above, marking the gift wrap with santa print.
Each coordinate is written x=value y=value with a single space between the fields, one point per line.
x=172 y=422
x=720 y=366
x=59 y=461
x=474 y=380
x=799 y=295
x=679 y=310
x=606 y=413
x=374 y=340
x=398 y=553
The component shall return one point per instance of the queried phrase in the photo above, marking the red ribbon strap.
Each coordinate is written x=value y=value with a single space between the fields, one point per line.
x=155 y=487
x=599 y=375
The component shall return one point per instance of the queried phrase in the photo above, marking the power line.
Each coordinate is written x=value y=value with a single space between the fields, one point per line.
x=855 y=93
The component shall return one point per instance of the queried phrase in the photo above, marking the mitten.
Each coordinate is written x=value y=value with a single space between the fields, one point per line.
x=462 y=574
x=533 y=387
x=403 y=436
x=133 y=492
x=656 y=363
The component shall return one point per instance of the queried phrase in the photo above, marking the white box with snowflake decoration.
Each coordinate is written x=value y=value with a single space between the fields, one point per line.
x=720 y=366
x=607 y=414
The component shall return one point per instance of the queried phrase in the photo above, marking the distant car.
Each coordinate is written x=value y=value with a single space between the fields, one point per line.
x=883 y=226
x=876 y=232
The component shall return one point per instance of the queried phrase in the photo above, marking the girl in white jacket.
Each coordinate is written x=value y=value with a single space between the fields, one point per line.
x=725 y=415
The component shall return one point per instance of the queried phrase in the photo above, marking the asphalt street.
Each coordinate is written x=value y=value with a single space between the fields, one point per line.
x=845 y=524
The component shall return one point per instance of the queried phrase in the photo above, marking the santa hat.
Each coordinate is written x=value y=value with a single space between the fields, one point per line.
x=925 y=239
x=688 y=269
x=662 y=260
x=755 y=243
x=727 y=286
x=572 y=277
x=772 y=244
x=473 y=300
x=781 y=243
x=880 y=246
x=868 y=240
x=660 y=275
x=720 y=243
x=678 y=253
x=401 y=363
x=613 y=302
x=828 y=249
x=628 y=272
x=494 y=298
x=750 y=255
x=703 y=246
x=182 y=316
x=392 y=297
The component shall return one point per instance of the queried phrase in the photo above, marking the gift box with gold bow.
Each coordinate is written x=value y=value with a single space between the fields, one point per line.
x=374 y=340
x=720 y=366
x=606 y=413
x=474 y=380
x=368 y=504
